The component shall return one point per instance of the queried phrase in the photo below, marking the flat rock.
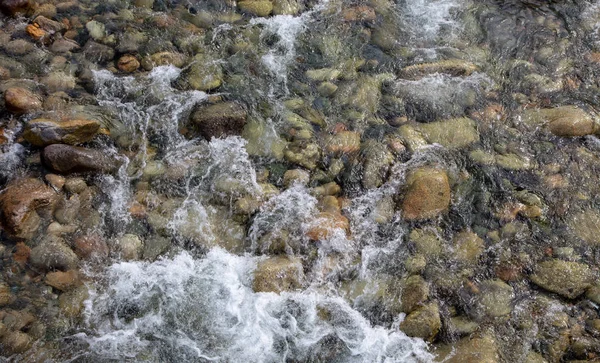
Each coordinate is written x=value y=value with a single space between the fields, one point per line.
x=72 y=159
x=43 y=132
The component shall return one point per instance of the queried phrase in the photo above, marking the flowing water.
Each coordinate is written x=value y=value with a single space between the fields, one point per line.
x=215 y=211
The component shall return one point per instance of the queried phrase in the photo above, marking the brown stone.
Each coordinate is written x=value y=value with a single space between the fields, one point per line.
x=19 y=203
x=15 y=7
x=91 y=246
x=21 y=253
x=277 y=274
x=20 y=101
x=359 y=13
x=344 y=142
x=43 y=132
x=63 y=281
x=128 y=64
x=428 y=194
x=326 y=224
x=423 y=322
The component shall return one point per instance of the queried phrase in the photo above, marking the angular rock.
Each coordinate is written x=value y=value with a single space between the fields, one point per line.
x=221 y=119
x=43 y=132
x=21 y=101
x=72 y=159
x=19 y=202
x=423 y=322
x=53 y=255
x=278 y=274
x=566 y=278
x=428 y=194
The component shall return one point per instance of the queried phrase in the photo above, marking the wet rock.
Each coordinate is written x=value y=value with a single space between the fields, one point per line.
x=203 y=74
x=427 y=241
x=327 y=89
x=294 y=176
x=278 y=274
x=63 y=45
x=59 y=81
x=376 y=165
x=453 y=134
x=219 y=120
x=43 y=132
x=262 y=140
x=493 y=300
x=260 y=8
x=21 y=101
x=423 y=322
x=96 y=29
x=144 y=3
x=467 y=247
x=19 y=47
x=166 y=58
x=586 y=226
x=475 y=349
x=154 y=247
x=50 y=255
x=514 y=162
x=323 y=74
x=568 y=279
x=15 y=7
x=16 y=342
x=414 y=293
x=343 y=142
x=19 y=202
x=454 y=67
x=55 y=181
x=63 y=281
x=566 y=121
x=286 y=7
x=90 y=247
x=72 y=159
x=67 y=210
x=6 y=297
x=326 y=225
x=129 y=247
x=128 y=64
x=359 y=13
x=97 y=52
x=428 y=194
x=71 y=303
x=75 y=185
x=462 y=325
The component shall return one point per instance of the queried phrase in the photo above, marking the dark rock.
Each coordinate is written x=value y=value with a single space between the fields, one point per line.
x=14 y=7
x=221 y=119
x=97 y=52
x=52 y=255
x=72 y=159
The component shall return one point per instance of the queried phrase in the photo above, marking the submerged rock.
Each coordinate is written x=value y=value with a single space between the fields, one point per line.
x=493 y=300
x=454 y=67
x=476 y=349
x=260 y=8
x=423 y=322
x=20 y=101
x=586 y=226
x=43 y=132
x=19 y=202
x=344 y=142
x=15 y=7
x=278 y=274
x=568 y=279
x=50 y=255
x=72 y=159
x=428 y=194
x=414 y=293
x=566 y=121
x=219 y=120
x=453 y=134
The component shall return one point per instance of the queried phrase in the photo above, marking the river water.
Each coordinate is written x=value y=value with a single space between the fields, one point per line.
x=425 y=85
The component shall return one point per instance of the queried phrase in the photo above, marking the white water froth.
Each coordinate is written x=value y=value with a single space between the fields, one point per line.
x=427 y=17
x=185 y=309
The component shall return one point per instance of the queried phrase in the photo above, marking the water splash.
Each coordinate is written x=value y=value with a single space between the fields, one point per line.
x=185 y=309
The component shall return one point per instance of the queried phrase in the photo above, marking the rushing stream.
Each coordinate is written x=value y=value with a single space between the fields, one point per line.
x=300 y=181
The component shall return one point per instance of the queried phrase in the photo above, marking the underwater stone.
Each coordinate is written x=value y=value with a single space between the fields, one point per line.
x=414 y=293
x=428 y=194
x=43 y=132
x=260 y=8
x=73 y=159
x=423 y=322
x=221 y=119
x=20 y=101
x=566 y=121
x=453 y=134
x=50 y=255
x=278 y=274
x=568 y=279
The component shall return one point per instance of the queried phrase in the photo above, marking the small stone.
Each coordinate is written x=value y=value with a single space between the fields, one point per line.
x=493 y=300
x=97 y=52
x=327 y=89
x=129 y=247
x=323 y=74
x=75 y=185
x=426 y=241
x=128 y=64
x=16 y=342
x=43 y=132
x=6 y=297
x=63 y=281
x=586 y=226
x=454 y=67
x=19 y=47
x=286 y=7
x=168 y=58
x=428 y=194
x=477 y=349
x=415 y=264
x=21 y=101
x=423 y=322
x=51 y=255
x=453 y=134
x=278 y=274
x=154 y=247
x=96 y=29
x=144 y=3
x=566 y=278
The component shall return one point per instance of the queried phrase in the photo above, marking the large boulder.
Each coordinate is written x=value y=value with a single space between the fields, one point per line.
x=20 y=101
x=221 y=119
x=277 y=274
x=428 y=194
x=43 y=132
x=566 y=278
x=72 y=159
x=19 y=202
